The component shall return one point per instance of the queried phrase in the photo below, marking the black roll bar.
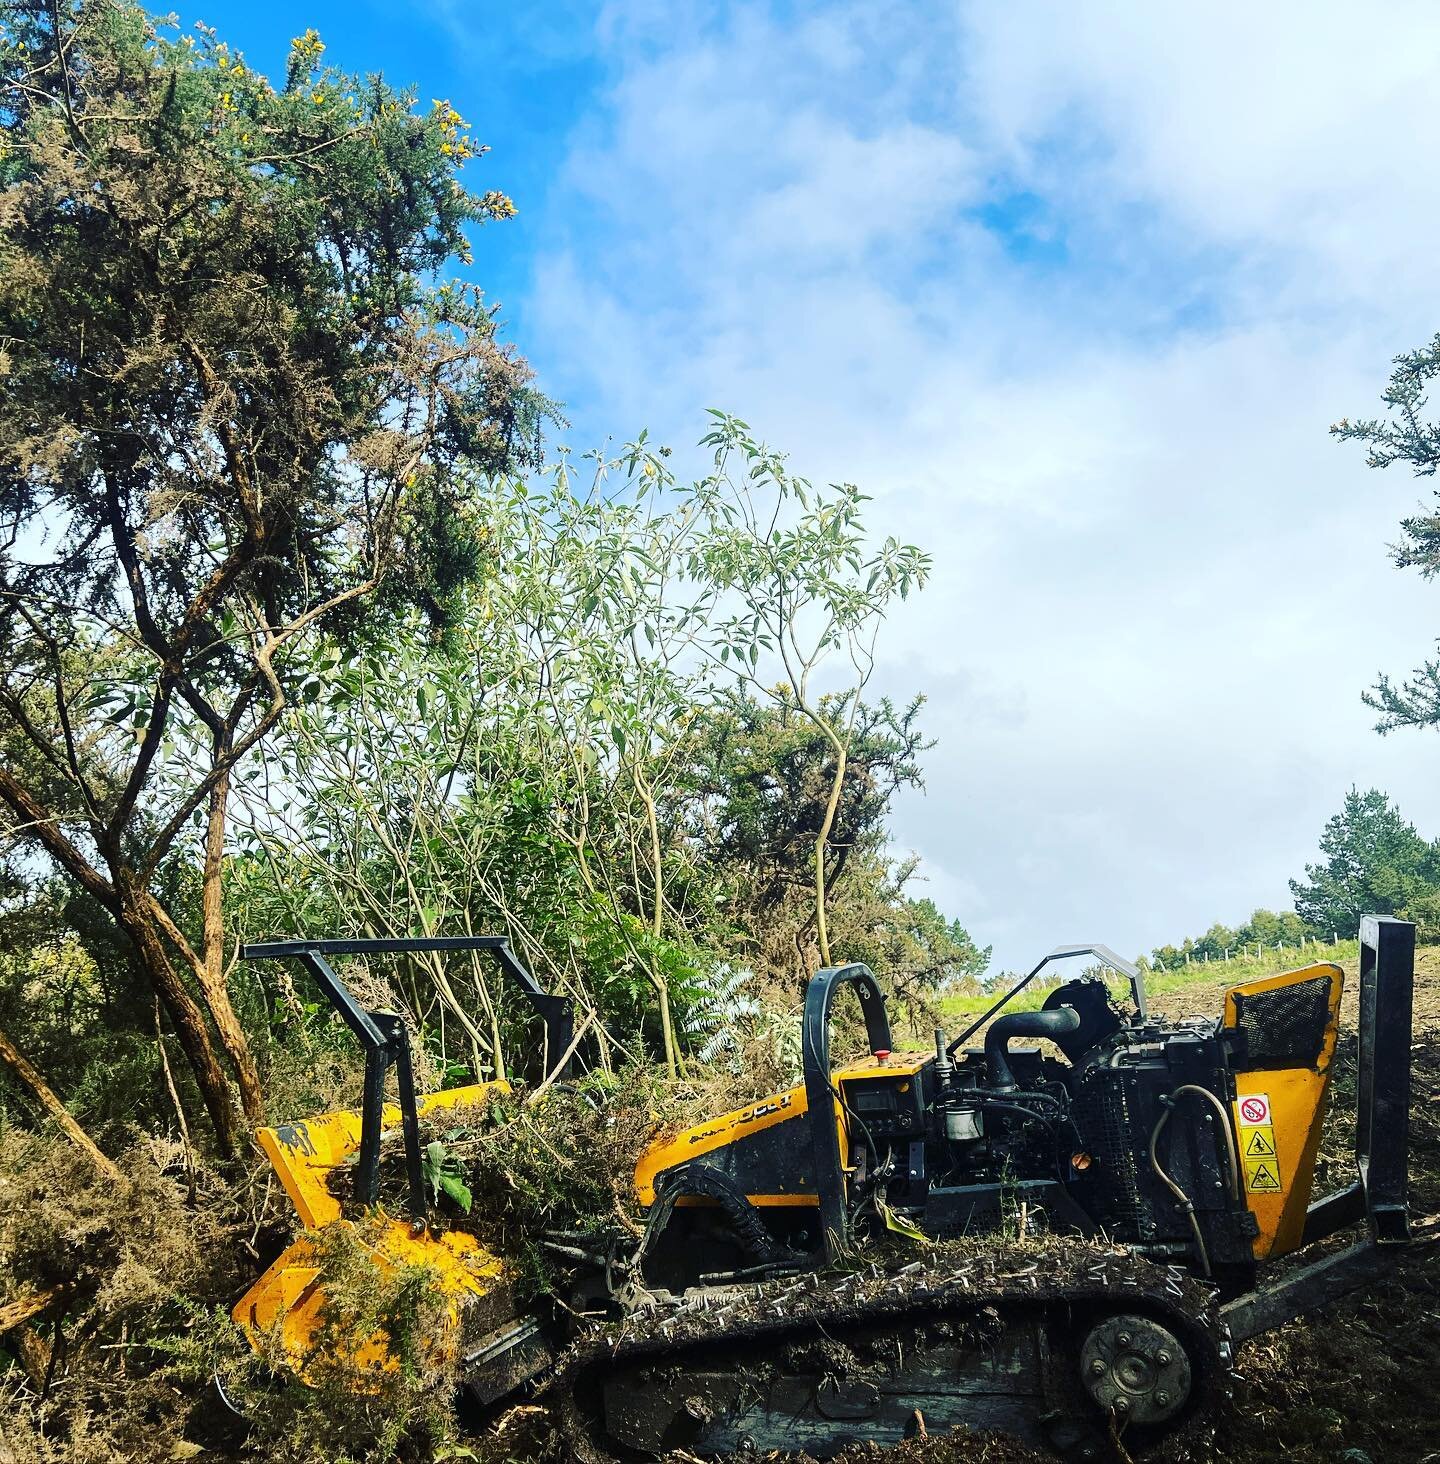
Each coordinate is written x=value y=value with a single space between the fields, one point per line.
x=387 y=1044
x=1102 y=953
x=820 y=1094
x=1382 y=1137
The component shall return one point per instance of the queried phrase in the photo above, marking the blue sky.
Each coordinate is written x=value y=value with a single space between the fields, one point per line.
x=1075 y=292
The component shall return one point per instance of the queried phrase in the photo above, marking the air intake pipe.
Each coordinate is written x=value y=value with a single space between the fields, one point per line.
x=1052 y=1024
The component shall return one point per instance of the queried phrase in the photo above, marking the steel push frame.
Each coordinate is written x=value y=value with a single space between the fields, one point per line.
x=387 y=1043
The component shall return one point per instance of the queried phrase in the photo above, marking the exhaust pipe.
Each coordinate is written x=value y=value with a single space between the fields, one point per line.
x=1052 y=1024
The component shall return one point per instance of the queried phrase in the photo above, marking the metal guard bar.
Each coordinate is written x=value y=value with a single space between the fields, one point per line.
x=386 y=1042
x=1102 y=953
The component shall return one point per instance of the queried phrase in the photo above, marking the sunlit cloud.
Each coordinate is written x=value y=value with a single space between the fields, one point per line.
x=1075 y=292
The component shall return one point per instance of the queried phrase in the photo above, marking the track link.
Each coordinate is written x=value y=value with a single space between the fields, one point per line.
x=985 y=1337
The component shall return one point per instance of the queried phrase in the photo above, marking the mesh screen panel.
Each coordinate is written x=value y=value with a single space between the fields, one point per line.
x=1103 y=1113
x=1284 y=1027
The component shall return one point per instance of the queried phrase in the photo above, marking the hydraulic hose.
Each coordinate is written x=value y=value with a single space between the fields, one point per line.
x=1233 y=1164
x=1052 y=1024
x=1181 y=1198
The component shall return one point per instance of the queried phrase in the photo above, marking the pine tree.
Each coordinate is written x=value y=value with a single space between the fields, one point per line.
x=1374 y=864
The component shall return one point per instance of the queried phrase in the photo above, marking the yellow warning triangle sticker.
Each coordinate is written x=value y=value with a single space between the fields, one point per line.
x=1260 y=1144
x=1262 y=1177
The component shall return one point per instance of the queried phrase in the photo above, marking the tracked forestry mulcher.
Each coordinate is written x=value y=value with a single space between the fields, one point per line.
x=1171 y=1164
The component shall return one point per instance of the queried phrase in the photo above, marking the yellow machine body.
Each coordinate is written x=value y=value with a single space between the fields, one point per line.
x=283 y=1308
x=777 y=1184
x=1278 y=1113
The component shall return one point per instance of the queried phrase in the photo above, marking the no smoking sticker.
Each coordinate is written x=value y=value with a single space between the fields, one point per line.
x=1254 y=1109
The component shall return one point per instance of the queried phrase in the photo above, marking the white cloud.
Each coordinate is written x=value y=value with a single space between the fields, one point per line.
x=1305 y=127
x=1159 y=586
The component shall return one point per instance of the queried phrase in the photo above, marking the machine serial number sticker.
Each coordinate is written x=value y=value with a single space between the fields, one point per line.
x=1255 y=1109
x=1259 y=1143
x=1262 y=1176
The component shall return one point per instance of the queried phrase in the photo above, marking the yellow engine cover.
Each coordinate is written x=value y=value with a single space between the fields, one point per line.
x=781 y=1162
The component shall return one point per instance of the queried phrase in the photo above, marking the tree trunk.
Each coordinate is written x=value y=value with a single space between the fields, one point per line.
x=211 y=971
x=822 y=842
x=188 y=1020
x=35 y=1355
x=657 y=921
x=16 y=1061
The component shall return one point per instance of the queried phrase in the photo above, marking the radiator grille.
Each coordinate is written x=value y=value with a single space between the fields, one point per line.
x=1105 y=1116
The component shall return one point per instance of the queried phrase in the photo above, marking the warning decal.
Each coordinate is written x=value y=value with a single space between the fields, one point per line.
x=1259 y=1143
x=1262 y=1176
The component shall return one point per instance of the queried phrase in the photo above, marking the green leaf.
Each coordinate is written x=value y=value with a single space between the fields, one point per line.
x=432 y=1164
x=457 y=1189
x=900 y=1225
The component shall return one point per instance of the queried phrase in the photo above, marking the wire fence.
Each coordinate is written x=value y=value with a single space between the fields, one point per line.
x=1247 y=960
x=1250 y=951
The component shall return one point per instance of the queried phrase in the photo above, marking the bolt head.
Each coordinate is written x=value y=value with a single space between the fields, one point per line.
x=1122 y=1405
x=1162 y=1397
x=1123 y=1339
x=1163 y=1357
x=1098 y=1367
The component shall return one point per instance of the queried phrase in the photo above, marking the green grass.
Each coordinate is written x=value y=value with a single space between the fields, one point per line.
x=961 y=1008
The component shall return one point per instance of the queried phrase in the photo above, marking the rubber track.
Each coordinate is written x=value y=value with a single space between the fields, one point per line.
x=955 y=1279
